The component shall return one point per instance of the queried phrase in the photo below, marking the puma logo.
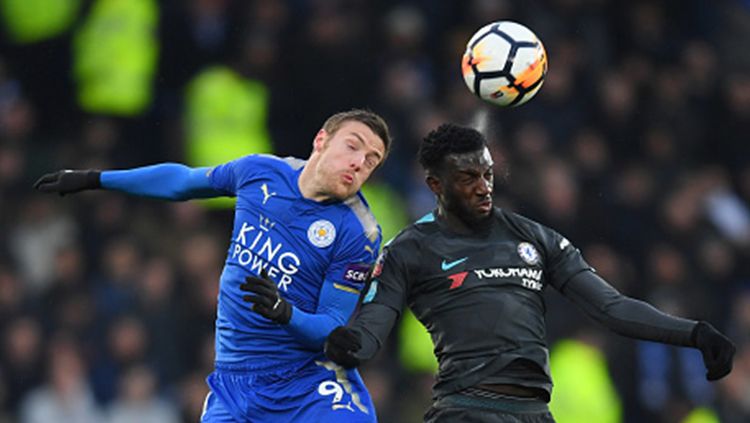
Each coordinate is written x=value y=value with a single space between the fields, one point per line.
x=266 y=194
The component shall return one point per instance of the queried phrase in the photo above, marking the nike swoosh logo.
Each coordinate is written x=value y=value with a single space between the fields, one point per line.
x=448 y=266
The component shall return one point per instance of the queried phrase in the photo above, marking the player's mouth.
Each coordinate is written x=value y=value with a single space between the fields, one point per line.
x=348 y=178
x=484 y=206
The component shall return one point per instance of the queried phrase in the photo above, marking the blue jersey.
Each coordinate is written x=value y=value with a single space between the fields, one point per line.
x=307 y=248
x=319 y=254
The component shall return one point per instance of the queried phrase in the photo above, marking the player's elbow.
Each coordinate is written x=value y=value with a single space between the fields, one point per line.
x=180 y=194
x=187 y=183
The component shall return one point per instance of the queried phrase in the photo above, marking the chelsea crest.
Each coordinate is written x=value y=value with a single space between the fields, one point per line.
x=528 y=253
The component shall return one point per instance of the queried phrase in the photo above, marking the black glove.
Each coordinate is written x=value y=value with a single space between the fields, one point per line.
x=341 y=345
x=718 y=351
x=267 y=301
x=69 y=181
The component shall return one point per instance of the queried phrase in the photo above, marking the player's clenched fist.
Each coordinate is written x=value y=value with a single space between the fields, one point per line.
x=341 y=346
x=267 y=301
x=69 y=181
x=716 y=348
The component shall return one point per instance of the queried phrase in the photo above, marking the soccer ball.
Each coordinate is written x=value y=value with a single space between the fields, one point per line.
x=504 y=63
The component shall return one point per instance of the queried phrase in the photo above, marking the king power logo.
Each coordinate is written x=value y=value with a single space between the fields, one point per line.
x=256 y=249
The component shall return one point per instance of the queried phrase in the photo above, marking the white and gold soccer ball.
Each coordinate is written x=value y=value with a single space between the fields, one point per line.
x=505 y=63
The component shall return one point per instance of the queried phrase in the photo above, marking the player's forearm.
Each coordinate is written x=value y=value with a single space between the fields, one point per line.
x=335 y=307
x=373 y=323
x=624 y=315
x=168 y=181
x=311 y=329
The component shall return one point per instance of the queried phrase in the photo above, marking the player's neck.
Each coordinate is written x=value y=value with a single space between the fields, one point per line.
x=308 y=186
x=456 y=224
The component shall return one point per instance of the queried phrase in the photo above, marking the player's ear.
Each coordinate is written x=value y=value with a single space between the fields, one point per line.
x=320 y=140
x=433 y=182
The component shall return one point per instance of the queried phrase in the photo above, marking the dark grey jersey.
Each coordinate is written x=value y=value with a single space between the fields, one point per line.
x=480 y=296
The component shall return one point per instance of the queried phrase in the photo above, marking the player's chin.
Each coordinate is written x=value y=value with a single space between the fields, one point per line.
x=343 y=192
x=481 y=218
x=481 y=215
x=475 y=215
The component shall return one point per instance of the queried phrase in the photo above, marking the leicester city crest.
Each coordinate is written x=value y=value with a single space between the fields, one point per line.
x=528 y=253
x=321 y=233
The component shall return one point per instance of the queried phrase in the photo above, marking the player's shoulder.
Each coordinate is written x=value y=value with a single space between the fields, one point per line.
x=360 y=216
x=522 y=224
x=252 y=167
x=541 y=235
x=413 y=234
x=274 y=162
x=516 y=218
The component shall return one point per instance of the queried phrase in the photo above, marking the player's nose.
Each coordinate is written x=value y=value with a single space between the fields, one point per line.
x=484 y=187
x=357 y=161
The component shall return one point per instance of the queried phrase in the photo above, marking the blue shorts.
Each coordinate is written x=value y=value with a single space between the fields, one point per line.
x=319 y=391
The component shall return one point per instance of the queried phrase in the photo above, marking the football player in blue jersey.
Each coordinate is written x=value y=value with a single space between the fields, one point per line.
x=302 y=245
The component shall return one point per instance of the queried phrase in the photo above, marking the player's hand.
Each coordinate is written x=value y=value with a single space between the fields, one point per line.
x=341 y=345
x=69 y=181
x=718 y=351
x=267 y=301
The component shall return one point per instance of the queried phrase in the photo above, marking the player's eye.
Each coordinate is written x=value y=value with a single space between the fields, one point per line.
x=467 y=180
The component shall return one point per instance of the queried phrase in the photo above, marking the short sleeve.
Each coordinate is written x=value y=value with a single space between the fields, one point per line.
x=230 y=176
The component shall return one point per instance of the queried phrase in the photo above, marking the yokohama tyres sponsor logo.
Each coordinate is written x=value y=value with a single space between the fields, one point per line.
x=530 y=278
x=509 y=272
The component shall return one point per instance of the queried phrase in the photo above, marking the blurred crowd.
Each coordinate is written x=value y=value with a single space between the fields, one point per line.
x=636 y=149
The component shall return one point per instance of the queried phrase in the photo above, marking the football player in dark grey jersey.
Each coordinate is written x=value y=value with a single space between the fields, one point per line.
x=473 y=274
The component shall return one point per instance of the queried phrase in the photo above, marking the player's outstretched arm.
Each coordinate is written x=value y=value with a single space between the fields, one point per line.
x=168 y=181
x=350 y=345
x=637 y=319
x=69 y=181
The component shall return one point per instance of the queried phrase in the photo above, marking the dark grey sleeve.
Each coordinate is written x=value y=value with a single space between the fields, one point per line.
x=384 y=301
x=373 y=322
x=624 y=315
